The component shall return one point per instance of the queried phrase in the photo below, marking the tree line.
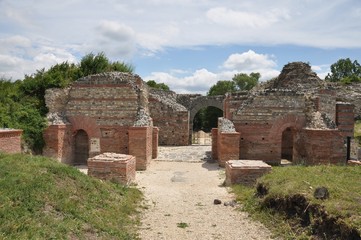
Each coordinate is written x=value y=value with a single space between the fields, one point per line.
x=22 y=103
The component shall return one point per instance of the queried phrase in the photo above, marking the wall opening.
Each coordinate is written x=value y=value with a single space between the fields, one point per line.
x=81 y=148
x=203 y=122
x=287 y=144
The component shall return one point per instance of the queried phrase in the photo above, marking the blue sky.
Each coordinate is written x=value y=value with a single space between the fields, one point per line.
x=187 y=44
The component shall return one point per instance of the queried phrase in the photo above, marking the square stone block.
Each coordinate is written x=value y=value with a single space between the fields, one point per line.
x=245 y=171
x=115 y=167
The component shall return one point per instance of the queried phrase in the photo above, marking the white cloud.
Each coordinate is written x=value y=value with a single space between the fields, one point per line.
x=201 y=80
x=321 y=70
x=248 y=61
x=128 y=30
x=113 y=38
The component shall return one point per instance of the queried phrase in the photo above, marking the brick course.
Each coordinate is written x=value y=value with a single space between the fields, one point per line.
x=119 y=168
x=10 y=140
x=245 y=171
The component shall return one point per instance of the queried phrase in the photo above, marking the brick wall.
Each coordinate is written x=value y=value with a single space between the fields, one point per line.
x=319 y=146
x=214 y=143
x=140 y=145
x=155 y=142
x=261 y=121
x=10 y=140
x=227 y=147
x=345 y=120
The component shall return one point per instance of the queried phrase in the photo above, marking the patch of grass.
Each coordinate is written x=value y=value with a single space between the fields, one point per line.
x=182 y=225
x=342 y=182
x=43 y=199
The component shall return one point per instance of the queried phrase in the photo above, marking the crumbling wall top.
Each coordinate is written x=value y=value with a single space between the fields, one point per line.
x=226 y=126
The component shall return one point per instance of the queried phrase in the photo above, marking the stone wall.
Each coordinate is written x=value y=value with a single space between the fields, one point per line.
x=262 y=119
x=170 y=117
x=104 y=108
x=294 y=116
x=10 y=140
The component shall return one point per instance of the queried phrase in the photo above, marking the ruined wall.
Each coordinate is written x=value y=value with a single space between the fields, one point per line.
x=10 y=140
x=294 y=116
x=232 y=102
x=105 y=106
x=170 y=117
x=261 y=120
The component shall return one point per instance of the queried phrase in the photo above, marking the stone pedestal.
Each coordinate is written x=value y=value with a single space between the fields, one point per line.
x=115 y=167
x=245 y=171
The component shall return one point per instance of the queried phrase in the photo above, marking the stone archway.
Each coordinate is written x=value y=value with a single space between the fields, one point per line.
x=81 y=148
x=199 y=103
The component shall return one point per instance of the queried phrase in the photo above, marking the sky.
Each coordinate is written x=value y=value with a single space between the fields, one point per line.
x=188 y=45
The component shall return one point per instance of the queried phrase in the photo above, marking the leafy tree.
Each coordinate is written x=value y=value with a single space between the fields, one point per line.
x=154 y=84
x=244 y=81
x=345 y=71
x=93 y=64
x=222 y=87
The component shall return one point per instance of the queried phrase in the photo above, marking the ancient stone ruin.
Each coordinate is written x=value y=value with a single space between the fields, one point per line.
x=296 y=116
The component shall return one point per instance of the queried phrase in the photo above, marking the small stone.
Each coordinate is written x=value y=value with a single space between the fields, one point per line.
x=232 y=203
x=321 y=193
x=217 y=201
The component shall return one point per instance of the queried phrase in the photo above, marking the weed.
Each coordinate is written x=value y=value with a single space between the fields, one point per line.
x=182 y=225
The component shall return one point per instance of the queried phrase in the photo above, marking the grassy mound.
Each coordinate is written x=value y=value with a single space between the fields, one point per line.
x=43 y=199
x=284 y=200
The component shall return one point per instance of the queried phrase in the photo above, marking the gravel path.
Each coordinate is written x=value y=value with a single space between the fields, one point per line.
x=179 y=198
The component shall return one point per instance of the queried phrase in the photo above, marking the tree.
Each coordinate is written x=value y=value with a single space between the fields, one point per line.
x=246 y=82
x=345 y=71
x=222 y=87
x=93 y=64
x=154 y=84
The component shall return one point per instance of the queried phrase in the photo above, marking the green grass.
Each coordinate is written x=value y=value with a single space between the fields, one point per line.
x=343 y=183
x=43 y=199
x=182 y=225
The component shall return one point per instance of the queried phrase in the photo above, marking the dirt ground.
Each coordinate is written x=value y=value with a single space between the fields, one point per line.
x=180 y=202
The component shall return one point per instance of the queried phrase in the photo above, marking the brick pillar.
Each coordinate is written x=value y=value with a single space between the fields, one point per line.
x=345 y=118
x=155 y=143
x=214 y=143
x=58 y=142
x=140 y=145
x=228 y=147
x=10 y=140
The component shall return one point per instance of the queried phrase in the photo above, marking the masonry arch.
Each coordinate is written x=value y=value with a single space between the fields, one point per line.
x=286 y=128
x=81 y=147
x=199 y=103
